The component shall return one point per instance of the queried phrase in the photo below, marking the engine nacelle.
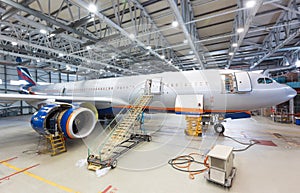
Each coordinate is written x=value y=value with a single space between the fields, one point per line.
x=75 y=121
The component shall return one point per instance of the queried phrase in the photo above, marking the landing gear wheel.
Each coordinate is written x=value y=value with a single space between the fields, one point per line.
x=219 y=128
x=132 y=136
x=113 y=164
x=149 y=138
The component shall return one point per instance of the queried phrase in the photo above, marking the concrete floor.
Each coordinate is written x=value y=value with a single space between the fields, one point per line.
x=261 y=168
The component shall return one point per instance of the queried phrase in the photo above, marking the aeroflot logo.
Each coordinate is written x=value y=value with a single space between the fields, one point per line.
x=23 y=75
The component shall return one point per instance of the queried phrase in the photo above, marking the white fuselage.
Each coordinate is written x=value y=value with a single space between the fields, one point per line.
x=222 y=90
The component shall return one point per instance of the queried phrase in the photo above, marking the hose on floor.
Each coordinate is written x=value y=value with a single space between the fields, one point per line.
x=249 y=144
x=183 y=163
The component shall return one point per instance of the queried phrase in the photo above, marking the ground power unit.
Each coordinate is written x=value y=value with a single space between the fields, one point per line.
x=221 y=169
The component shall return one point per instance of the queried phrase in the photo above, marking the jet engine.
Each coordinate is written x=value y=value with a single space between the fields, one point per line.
x=74 y=120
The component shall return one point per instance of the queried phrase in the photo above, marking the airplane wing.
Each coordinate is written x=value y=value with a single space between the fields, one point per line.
x=9 y=98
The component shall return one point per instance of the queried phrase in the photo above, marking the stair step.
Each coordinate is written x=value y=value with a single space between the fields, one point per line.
x=121 y=130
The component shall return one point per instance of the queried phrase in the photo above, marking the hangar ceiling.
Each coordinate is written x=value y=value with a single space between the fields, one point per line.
x=129 y=37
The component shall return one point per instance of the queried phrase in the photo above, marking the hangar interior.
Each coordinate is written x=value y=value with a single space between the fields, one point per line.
x=73 y=40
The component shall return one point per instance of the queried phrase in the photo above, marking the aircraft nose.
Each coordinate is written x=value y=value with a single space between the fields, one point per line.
x=290 y=93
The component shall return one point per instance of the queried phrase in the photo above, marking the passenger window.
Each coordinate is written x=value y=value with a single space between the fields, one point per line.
x=269 y=81
x=261 y=81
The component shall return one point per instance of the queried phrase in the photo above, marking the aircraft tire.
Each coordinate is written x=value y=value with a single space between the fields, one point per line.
x=219 y=128
x=113 y=164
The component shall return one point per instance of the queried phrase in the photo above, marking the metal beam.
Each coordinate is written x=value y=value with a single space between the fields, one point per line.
x=243 y=19
x=20 y=42
x=282 y=35
x=155 y=27
x=286 y=8
x=13 y=10
x=46 y=18
x=75 y=24
x=109 y=22
x=185 y=30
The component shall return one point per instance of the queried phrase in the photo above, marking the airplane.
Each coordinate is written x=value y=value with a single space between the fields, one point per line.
x=74 y=107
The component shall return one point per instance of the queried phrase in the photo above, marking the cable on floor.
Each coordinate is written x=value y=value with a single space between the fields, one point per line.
x=183 y=163
x=249 y=144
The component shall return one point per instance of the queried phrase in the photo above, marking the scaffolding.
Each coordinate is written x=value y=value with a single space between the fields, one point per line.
x=194 y=125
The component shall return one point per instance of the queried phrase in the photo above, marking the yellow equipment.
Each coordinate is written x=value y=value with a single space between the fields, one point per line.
x=57 y=143
x=194 y=125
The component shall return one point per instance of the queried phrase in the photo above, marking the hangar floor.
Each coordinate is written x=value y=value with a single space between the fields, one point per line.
x=272 y=167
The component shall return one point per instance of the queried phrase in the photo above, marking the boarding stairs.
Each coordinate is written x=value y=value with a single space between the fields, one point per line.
x=121 y=137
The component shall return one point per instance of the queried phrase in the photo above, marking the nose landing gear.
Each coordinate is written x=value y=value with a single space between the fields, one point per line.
x=219 y=128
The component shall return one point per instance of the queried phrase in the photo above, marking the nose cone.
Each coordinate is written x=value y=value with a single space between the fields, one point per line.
x=290 y=93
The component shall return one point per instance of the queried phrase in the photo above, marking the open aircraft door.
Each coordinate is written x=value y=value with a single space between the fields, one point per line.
x=154 y=86
x=243 y=82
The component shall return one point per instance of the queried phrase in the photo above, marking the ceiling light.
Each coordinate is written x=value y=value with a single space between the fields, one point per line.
x=38 y=60
x=51 y=35
x=162 y=56
x=250 y=4
x=234 y=45
x=43 y=31
x=88 y=47
x=92 y=8
x=148 y=47
x=175 y=24
x=240 y=30
x=230 y=53
x=297 y=63
x=14 y=43
x=60 y=54
x=68 y=67
x=131 y=36
x=0 y=81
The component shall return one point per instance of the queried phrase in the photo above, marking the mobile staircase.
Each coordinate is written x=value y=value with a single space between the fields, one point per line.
x=121 y=138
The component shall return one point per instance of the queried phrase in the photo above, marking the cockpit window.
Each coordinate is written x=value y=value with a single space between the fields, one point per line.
x=269 y=81
x=261 y=81
x=264 y=81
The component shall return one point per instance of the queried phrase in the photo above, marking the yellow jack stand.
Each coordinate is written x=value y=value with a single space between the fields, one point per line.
x=194 y=126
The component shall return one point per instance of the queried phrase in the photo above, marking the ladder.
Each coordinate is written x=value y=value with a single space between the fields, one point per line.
x=114 y=146
x=57 y=143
